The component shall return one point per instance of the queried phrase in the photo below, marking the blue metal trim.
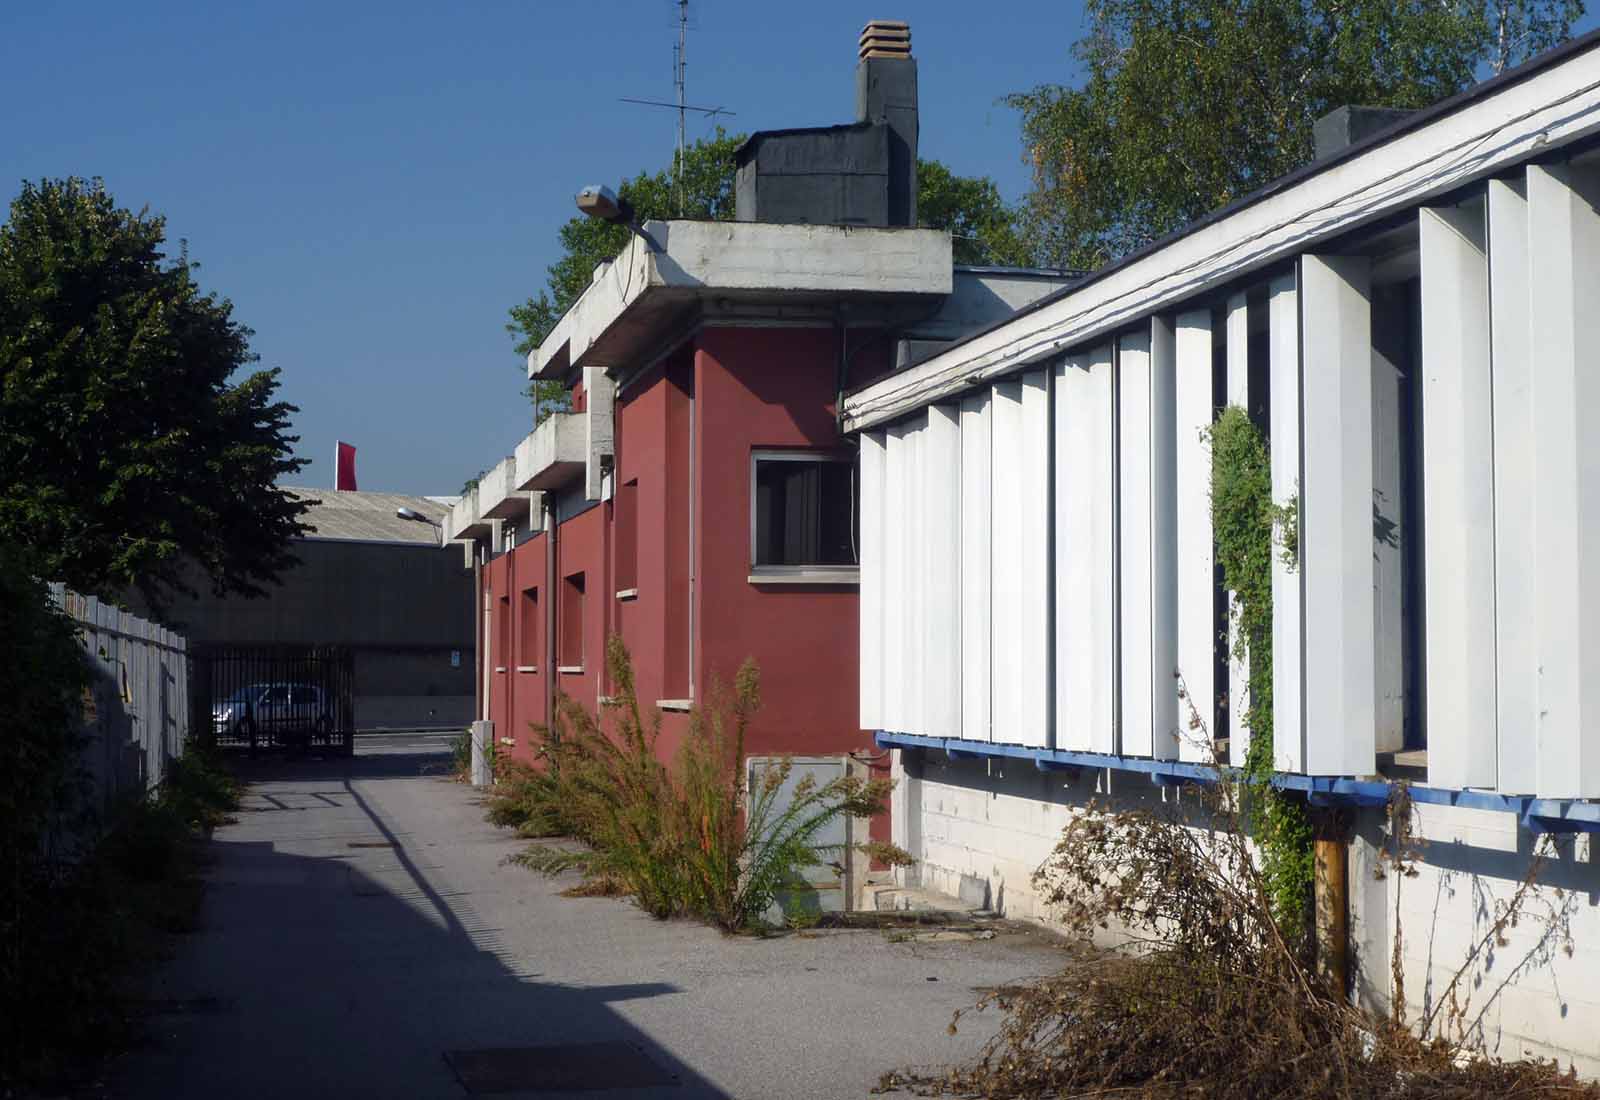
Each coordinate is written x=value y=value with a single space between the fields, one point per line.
x=1538 y=815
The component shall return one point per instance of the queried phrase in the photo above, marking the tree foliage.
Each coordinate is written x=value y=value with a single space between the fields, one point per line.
x=1190 y=104
x=970 y=207
x=124 y=448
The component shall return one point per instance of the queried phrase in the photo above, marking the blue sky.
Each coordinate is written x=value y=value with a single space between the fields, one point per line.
x=374 y=184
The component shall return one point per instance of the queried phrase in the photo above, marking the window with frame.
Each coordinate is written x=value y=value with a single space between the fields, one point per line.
x=570 y=655
x=627 y=534
x=528 y=654
x=803 y=515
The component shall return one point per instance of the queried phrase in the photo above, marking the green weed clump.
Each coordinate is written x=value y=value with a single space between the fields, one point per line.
x=1245 y=520
x=84 y=922
x=687 y=839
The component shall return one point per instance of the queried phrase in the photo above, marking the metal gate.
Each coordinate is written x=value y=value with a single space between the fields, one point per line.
x=298 y=699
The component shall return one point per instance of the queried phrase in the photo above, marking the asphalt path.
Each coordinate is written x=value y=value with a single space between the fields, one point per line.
x=362 y=937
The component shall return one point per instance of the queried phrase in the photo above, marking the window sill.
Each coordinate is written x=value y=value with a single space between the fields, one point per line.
x=527 y=668
x=806 y=574
x=674 y=704
x=499 y=668
x=628 y=594
x=569 y=670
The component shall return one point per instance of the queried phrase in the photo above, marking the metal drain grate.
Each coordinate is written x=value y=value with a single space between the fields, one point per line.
x=570 y=1067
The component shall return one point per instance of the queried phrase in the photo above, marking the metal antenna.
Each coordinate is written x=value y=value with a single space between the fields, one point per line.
x=680 y=85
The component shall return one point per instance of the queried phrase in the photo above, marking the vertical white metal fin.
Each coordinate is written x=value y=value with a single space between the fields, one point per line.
x=1288 y=735
x=1197 y=629
x=939 y=526
x=976 y=570
x=1166 y=719
x=1033 y=550
x=1458 y=497
x=896 y=586
x=1084 y=546
x=1336 y=524
x=1133 y=548
x=1020 y=449
x=1238 y=384
x=1564 y=322
x=1007 y=591
x=1516 y=608
x=871 y=512
x=913 y=566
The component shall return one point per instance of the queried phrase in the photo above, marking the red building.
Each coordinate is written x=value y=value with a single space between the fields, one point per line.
x=699 y=500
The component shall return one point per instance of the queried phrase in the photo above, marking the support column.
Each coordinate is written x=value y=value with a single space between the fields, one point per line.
x=1020 y=480
x=1133 y=542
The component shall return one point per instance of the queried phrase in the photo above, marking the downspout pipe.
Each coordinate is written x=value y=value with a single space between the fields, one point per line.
x=551 y=529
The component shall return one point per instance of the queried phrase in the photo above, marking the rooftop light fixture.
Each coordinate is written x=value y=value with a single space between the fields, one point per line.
x=603 y=204
x=417 y=517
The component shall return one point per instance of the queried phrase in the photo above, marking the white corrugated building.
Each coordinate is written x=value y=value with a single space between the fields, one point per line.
x=1414 y=320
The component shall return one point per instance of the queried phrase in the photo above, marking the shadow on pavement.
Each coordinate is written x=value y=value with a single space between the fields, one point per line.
x=349 y=967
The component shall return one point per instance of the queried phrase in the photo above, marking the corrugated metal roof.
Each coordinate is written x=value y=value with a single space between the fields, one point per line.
x=369 y=517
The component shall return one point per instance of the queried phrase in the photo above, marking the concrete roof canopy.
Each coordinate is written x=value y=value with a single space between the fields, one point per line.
x=370 y=517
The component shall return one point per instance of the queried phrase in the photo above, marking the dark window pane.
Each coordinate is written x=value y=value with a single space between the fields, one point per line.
x=804 y=513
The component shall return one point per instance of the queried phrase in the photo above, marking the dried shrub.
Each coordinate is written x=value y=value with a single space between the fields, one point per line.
x=1211 y=999
x=689 y=839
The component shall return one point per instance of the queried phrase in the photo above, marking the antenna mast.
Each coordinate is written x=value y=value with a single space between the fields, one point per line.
x=680 y=51
x=680 y=84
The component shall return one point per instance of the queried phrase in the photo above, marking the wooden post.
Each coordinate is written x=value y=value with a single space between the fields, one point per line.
x=1332 y=898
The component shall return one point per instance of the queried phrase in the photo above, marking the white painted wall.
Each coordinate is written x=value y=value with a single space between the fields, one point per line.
x=1288 y=664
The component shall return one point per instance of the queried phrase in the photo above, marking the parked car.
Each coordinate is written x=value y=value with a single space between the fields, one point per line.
x=286 y=714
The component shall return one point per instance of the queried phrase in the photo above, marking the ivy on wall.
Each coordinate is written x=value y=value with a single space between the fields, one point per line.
x=1243 y=517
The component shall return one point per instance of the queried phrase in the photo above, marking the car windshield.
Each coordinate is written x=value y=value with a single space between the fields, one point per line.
x=246 y=694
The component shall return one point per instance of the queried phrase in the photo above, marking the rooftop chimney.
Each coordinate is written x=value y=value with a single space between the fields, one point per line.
x=1343 y=127
x=886 y=91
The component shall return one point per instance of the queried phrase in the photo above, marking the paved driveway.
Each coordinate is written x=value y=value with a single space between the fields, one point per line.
x=359 y=927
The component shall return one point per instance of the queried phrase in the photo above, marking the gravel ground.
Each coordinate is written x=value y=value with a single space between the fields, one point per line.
x=359 y=926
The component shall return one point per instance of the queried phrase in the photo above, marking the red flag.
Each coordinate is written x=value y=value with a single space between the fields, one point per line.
x=345 y=463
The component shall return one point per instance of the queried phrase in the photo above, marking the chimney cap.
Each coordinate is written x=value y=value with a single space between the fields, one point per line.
x=885 y=38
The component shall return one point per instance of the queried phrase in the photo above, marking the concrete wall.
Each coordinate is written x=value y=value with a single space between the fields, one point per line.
x=405 y=610
x=981 y=828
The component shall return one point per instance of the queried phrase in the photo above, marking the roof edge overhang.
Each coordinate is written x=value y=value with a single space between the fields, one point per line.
x=645 y=293
x=1550 y=102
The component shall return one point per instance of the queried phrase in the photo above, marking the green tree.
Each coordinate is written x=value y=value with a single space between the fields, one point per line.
x=1190 y=104
x=971 y=208
x=125 y=451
